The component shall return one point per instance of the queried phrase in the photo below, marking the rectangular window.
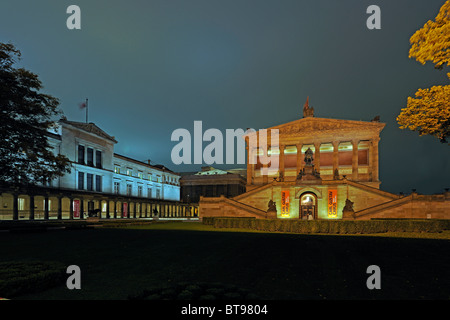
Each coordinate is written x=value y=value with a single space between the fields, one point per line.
x=89 y=182
x=129 y=189
x=21 y=204
x=149 y=192
x=158 y=194
x=116 y=169
x=140 y=175
x=98 y=159
x=80 y=180
x=98 y=183
x=139 y=191
x=80 y=154
x=90 y=157
x=116 y=187
x=129 y=172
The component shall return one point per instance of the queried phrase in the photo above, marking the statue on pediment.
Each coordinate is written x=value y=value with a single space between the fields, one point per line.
x=307 y=110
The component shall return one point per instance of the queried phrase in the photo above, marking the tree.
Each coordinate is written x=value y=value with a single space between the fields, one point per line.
x=26 y=156
x=429 y=112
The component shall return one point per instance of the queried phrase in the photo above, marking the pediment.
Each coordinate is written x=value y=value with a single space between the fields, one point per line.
x=308 y=125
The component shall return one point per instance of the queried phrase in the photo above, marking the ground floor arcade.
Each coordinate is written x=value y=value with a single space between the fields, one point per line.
x=37 y=203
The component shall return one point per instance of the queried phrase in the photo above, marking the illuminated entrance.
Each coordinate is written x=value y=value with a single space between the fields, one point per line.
x=308 y=206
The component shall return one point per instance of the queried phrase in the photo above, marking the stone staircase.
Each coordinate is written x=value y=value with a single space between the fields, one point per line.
x=363 y=214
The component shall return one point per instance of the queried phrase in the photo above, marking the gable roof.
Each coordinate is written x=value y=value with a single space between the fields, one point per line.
x=91 y=128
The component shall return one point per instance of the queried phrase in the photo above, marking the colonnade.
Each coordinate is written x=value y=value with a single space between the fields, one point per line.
x=372 y=155
x=71 y=205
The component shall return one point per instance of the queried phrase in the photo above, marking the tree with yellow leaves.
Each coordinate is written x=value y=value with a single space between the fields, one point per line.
x=429 y=112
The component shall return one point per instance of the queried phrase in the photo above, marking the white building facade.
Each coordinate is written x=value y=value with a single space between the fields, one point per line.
x=96 y=168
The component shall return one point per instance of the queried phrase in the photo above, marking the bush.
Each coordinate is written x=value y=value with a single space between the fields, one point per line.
x=334 y=226
x=19 y=278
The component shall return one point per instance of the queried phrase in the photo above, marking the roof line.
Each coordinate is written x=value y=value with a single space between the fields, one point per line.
x=164 y=169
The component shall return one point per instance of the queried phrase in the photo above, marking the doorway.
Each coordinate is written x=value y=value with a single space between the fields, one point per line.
x=308 y=206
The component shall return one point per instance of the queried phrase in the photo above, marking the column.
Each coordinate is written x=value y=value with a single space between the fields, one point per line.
x=15 y=206
x=335 y=157
x=100 y=205
x=31 y=207
x=46 y=207
x=250 y=166
x=282 y=146
x=375 y=159
x=299 y=158
x=355 y=160
x=81 y=209
x=71 y=208
x=107 y=209
x=265 y=173
x=317 y=156
x=59 y=208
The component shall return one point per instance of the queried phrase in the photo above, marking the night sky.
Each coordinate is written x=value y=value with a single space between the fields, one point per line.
x=150 y=67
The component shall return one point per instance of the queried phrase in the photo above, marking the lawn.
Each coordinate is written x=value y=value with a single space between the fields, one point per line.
x=117 y=262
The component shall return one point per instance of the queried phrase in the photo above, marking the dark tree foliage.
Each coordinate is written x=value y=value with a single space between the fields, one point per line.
x=25 y=117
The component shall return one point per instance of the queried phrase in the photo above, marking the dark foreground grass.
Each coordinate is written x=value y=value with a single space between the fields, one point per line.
x=119 y=262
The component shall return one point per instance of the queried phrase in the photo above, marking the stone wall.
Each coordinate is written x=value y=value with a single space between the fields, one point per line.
x=224 y=207
x=412 y=207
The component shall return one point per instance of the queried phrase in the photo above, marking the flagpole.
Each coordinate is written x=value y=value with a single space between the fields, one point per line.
x=86 y=110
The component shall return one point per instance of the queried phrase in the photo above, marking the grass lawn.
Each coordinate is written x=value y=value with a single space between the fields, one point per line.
x=117 y=262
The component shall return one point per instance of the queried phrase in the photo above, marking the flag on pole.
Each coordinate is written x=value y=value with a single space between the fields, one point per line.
x=84 y=105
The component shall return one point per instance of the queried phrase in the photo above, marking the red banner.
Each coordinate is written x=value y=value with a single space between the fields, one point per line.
x=125 y=209
x=332 y=203
x=76 y=208
x=284 y=203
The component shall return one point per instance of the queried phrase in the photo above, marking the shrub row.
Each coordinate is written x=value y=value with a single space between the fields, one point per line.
x=243 y=220
x=331 y=226
x=19 y=278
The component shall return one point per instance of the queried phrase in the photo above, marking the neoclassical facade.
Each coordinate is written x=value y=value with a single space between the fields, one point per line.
x=340 y=147
x=320 y=168
x=100 y=180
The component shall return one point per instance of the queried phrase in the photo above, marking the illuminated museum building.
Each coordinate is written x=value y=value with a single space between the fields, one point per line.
x=328 y=169
x=99 y=179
